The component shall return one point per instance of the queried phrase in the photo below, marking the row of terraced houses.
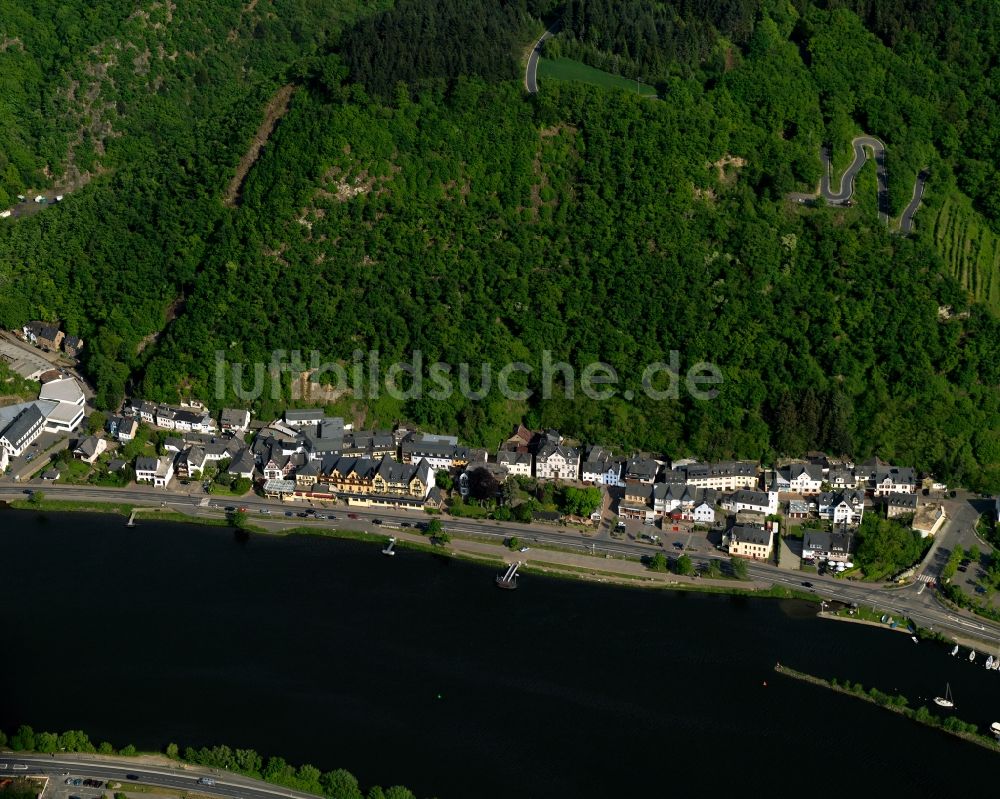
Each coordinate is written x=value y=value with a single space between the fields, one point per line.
x=308 y=455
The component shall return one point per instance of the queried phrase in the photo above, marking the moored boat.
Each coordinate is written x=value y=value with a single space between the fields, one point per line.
x=954 y=651
x=946 y=700
x=972 y=656
x=989 y=662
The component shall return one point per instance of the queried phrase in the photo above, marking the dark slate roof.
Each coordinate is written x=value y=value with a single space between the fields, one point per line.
x=813 y=471
x=146 y=463
x=721 y=469
x=827 y=542
x=233 y=416
x=88 y=446
x=675 y=476
x=642 y=468
x=242 y=463
x=304 y=415
x=43 y=329
x=22 y=425
x=902 y=500
x=434 y=449
x=750 y=534
x=549 y=449
x=507 y=458
x=308 y=469
x=748 y=497
x=639 y=490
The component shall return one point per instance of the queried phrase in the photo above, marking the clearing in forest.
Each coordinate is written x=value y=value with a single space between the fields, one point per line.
x=275 y=110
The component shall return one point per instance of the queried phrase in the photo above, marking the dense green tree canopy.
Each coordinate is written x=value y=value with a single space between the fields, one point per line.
x=434 y=206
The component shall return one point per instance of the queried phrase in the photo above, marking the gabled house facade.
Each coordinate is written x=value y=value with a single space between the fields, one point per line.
x=22 y=430
x=841 y=507
x=751 y=541
x=557 y=462
x=804 y=478
x=516 y=463
x=765 y=502
x=897 y=504
x=722 y=476
x=821 y=545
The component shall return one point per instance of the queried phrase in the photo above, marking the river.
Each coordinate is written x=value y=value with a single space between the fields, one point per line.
x=416 y=670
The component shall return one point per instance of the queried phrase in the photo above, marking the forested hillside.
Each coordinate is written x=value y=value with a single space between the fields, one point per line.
x=417 y=42
x=401 y=205
x=922 y=76
x=156 y=101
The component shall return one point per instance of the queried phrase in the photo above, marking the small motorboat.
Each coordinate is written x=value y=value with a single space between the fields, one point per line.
x=914 y=639
x=946 y=700
x=954 y=651
x=972 y=656
x=995 y=728
x=989 y=663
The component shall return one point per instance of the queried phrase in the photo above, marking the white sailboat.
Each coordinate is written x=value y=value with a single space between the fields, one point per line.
x=954 y=651
x=972 y=656
x=946 y=700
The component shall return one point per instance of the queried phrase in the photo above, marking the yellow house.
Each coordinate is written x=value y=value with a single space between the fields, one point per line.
x=751 y=541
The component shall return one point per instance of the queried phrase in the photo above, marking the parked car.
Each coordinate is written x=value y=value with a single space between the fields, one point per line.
x=807 y=584
x=523 y=549
x=265 y=510
x=352 y=516
x=376 y=521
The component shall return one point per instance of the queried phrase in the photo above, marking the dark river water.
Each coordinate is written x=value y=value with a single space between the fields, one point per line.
x=417 y=670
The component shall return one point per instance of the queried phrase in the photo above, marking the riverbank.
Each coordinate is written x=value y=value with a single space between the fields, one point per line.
x=544 y=560
x=896 y=703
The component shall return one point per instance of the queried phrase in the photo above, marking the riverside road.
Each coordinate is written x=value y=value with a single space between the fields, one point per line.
x=911 y=600
x=226 y=784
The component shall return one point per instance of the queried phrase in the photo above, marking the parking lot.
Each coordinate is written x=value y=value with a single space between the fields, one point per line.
x=35 y=456
x=68 y=786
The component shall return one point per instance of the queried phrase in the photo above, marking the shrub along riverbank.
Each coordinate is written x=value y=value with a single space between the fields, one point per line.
x=897 y=703
x=336 y=784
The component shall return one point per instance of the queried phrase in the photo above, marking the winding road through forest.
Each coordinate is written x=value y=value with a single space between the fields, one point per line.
x=531 y=70
x=863 y=145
